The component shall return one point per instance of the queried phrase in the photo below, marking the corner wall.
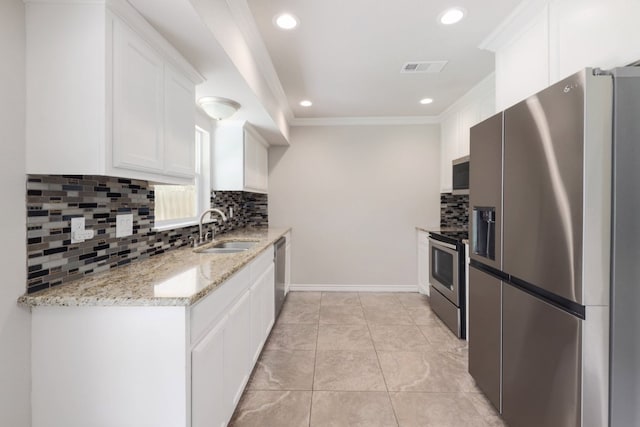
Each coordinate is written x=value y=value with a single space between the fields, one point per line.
x=353 y=196
x=15 y=322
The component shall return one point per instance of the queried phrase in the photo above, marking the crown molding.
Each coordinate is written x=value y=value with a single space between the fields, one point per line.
x=365 y=121
x=518 y=22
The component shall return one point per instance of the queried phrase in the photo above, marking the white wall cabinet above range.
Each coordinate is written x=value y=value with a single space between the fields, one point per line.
x=472 y=108
x=106 y=94
x=240 y=159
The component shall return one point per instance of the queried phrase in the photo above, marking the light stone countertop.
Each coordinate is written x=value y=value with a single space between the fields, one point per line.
x=179 y=277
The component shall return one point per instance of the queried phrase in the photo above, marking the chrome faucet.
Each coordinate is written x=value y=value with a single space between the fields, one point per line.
x=202 y=237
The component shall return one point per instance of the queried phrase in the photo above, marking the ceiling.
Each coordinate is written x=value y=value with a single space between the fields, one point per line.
x=346 y=55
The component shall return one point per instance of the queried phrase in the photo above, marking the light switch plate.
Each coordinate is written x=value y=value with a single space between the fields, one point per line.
x=124 y=225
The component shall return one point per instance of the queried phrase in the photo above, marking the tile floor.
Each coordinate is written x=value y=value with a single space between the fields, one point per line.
x=362 y=359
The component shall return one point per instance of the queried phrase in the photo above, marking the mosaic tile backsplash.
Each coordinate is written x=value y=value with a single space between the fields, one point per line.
x=454 y=210
x=52 y=200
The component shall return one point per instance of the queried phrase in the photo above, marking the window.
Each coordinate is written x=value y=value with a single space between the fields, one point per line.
x=180 y=205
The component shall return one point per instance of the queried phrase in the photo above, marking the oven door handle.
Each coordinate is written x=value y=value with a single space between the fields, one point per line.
x=446 y=245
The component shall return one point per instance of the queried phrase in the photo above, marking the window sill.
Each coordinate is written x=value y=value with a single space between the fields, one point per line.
x=176 y=225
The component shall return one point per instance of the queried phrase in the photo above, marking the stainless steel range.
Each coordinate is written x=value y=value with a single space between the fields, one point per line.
x=447 y=278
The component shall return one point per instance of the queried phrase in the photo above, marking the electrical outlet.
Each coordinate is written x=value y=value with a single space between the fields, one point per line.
x=77 y=228
x=124 y=225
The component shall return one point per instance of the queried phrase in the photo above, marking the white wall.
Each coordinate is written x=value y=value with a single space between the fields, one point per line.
x=15 y=325
x=545 y=41
x=353 y=195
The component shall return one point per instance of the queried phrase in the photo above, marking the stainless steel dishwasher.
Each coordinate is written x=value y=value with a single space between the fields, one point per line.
x=280 y=265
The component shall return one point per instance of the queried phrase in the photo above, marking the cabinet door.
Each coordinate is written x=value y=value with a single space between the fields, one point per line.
x=256 y=321
x=255 y=164
x=137 y=103
x=423 y=261
x=179 y=124
x=449 y=140
x=262 y=311
x=468 y=117
x=267 y=285
x=237 y=348
x=210 y=406
x=287 y=270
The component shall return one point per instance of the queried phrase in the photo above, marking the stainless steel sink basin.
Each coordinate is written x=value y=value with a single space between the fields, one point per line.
x=235 y=245
x=228 y=247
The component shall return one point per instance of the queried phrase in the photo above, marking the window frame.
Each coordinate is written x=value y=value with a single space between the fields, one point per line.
x=202 y=182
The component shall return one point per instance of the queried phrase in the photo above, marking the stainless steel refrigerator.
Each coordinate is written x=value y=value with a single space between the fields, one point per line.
x=554 y=276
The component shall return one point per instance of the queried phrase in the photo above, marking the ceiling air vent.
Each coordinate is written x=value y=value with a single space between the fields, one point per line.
x=430 y=67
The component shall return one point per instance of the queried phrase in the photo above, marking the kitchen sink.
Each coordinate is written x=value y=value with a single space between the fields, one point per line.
x=228 y=247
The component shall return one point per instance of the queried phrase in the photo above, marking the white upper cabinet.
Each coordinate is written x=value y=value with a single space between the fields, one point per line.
x=137 y=100
x=475 y=106
x=106 y=94
x=179 y=128
x=240 y=159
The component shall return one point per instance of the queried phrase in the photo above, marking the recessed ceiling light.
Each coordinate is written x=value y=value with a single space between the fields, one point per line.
x=425 y=101
x=451 y=16
x=286 y=21
x=306 y=103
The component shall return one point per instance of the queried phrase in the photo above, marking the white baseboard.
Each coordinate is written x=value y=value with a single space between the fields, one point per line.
x=424 y=290
x=353 y=288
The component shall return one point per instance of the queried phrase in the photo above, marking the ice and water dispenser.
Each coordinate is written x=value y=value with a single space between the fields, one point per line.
x=484 y=232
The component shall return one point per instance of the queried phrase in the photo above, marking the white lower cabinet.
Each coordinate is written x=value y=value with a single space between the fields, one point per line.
x=152 y=366
x=210 y=404
x=423 y=262
x=237 y=348
x=262 y=308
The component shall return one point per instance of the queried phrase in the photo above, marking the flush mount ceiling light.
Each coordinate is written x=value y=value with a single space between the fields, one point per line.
x=425 y=101
x=306 y=103
x=451 y=16
x=285 y=21
x=218 y=108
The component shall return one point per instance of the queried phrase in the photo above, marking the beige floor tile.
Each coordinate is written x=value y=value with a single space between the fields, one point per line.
x=441 y=337
x=340 y=298
x=482 y=404
x=304 y=297
x=291 y=336
x=423 y=315
x=435 y=409
x=273 y=408
x=344 y=337
x=495 y=421
x=413 y=300
x=348 y=371
x=387 y=315
x=428 y=371
x=351 y=409
x=299 y=313
x=377 y=299
x=283 y=370
x=398 y=338
x=342 y=315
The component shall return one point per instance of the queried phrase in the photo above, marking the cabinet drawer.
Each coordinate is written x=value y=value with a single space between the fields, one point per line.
x=205 y=312
x=261 y=263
